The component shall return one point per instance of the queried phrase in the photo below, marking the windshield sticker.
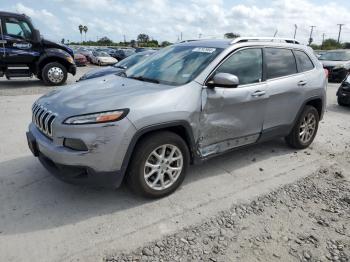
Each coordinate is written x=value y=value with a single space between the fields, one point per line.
x=204 y=50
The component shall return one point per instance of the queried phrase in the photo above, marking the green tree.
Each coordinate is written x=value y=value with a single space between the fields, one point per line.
x=105 y=41
x=62 y=41
x=165 y=43
x=346 y=45
x=231 y=35
x=329 y=44
x=85 y=29
x=143 y=38
x=81 y=28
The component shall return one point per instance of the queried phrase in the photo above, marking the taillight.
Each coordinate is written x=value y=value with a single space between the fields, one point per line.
x=326 y=72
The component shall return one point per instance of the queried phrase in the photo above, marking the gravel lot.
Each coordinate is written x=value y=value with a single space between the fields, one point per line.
x=211 y=217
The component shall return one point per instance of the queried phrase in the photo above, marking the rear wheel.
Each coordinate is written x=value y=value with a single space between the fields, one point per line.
x=159 y=165
x=54 y=74
x=305 y=129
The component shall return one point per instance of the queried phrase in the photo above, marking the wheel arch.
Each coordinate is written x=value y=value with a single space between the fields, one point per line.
x=181 y=128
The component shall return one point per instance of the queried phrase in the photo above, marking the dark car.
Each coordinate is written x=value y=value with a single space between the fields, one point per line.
x=118 y=67
x=343 y=92
x=337 y=62
x=80 y=59
x=25 y=53
x=121 y=54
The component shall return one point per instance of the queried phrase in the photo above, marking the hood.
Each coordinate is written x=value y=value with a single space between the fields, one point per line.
x=106 y=58
x=51 y=44
x=335 y=63
x=103 y=94
x=101 y=72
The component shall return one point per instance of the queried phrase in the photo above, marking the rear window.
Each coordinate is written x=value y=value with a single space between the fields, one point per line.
x=304 y=61
x=279 y=62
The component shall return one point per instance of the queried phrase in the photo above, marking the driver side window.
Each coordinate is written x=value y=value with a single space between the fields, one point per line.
x=18 y=29
x=245 y=64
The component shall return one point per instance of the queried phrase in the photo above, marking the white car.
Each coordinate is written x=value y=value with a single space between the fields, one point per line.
x=102 y=58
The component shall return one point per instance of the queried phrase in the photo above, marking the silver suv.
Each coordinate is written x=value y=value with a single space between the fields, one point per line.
x=186 y=103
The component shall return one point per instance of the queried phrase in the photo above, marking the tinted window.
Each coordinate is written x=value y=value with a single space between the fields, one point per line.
x=304 y=61
x=245 y=64
x=279 y=62
x=18 y=28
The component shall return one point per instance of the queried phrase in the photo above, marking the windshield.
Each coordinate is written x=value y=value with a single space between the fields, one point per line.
x=174 y=65
x=336 y=56
x=131 y=60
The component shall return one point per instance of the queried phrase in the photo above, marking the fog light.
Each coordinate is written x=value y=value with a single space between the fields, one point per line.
x=75 y=144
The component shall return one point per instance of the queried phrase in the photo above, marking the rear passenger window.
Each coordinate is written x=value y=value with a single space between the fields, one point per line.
x=304 y=61
x=245 y=64
x=279 y=62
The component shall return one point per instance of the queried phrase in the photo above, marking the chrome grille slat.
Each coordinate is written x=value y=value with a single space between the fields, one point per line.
x=43 y=119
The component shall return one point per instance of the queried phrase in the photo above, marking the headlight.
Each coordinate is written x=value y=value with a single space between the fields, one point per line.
x=97 y=118
x=70 y=59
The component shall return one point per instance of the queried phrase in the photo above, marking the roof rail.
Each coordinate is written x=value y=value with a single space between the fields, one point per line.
x=264 y=39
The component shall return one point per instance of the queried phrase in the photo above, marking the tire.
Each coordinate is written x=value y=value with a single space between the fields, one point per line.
x=341 y=101
x=310 y=119
x=144 y=152
x=54 y=74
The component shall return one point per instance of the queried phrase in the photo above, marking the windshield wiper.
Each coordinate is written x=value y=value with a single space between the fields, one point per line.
x=145 y=79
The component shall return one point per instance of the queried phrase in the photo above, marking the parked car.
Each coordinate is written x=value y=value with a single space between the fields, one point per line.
x=102 y=58
x=25 y=53
x=80 y=60
x=140 y=49
x=118 y=67
x=318 y=53
x=121 y=54
x=343 y=92
x=184 y=104
x=87 y=53
x=337 y=62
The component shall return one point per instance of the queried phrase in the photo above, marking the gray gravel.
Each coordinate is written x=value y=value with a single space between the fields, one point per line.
x=305 y=221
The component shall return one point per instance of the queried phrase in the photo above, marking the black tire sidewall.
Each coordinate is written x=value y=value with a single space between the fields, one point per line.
x=136 y=175
x=307 y=110
x=47 y=68
x=341 y=101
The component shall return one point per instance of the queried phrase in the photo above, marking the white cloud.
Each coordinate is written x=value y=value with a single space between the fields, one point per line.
x=166 y=19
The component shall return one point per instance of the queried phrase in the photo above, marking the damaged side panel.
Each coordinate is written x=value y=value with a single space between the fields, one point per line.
x=230 y=117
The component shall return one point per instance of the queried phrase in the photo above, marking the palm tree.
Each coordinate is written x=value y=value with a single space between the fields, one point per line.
x=85 y=29
x=81 y=28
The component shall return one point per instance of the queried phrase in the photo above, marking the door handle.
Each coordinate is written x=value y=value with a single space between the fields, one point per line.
x=302 y=83
x=258 y=93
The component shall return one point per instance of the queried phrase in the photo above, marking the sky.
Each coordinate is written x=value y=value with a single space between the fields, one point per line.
x=167 y=19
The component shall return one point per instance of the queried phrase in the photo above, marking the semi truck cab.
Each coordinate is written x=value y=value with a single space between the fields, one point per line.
x=24 y=53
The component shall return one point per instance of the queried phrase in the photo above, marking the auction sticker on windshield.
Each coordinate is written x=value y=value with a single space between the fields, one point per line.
x=204 y=50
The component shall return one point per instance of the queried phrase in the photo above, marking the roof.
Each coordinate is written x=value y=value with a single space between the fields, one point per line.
x=9 y=14
x=249 y=41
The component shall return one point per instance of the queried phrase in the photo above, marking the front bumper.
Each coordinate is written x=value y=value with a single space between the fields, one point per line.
x=100 y=165
x=72 y=69
x=344 y=95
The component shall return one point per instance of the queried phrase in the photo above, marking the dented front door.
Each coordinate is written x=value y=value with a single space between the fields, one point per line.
x=231 y=117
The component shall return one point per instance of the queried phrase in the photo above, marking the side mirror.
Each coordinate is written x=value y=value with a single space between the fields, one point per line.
x=224 y=80
x=36 y=36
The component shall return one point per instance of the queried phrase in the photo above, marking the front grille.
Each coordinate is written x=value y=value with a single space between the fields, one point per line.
x=43 y=119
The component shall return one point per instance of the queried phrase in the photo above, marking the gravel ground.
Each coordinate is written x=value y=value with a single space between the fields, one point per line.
x=305 y=221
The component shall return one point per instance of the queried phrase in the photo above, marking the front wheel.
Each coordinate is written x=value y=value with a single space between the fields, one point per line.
x=159 y=165
x=305 y=129
x=54 y=74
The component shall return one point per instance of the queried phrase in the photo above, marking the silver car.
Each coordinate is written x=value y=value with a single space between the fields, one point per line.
x=187 y=103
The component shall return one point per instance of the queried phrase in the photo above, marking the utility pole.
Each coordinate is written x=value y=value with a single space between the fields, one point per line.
x=199 y=36
x=181 y=36
x=295 y=30
x=323 y=36
x=312 y=30
x=124 y=39
x=340 y=27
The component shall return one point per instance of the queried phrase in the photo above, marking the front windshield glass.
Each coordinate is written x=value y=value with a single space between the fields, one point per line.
x=336 y=56
x=131 y=60
x=102 y=54
x=174 y=65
